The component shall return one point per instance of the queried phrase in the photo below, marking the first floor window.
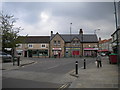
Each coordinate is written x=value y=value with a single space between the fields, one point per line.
x=30 y=45
x=58 y=42
x=55 y=43
x=43 y=46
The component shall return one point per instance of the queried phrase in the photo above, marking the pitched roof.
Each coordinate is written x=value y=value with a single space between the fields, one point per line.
x=90 y=38
x=105 y=41
x=86 y=37
x=36 y=39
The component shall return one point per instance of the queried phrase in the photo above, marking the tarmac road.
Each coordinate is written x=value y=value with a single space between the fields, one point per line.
x=46 y=73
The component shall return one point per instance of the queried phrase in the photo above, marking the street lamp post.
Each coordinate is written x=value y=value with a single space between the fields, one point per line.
x=82 y=44
x=116 y=22
x=95 y=33
x=70 y=39
x=117 y=29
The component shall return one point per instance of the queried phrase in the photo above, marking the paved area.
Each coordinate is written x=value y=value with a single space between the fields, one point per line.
x=10 y=66
x=93 y=77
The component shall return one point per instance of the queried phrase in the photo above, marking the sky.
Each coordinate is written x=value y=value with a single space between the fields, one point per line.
x=40 y=18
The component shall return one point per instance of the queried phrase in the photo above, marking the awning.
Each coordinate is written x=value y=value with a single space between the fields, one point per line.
x=104 y=50
x=19 y=51
x=90 y=48
x=72 y=48
x=56 y=48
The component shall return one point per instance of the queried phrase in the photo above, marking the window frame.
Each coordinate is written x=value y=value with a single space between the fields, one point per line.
x=59 y=42
x=42 y=45
x=29 y=45
x=55 y=42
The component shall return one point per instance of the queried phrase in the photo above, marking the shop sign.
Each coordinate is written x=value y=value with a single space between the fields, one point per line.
x=76 y=48
x=43 y=50
x=95 y=48
x=67 y=48
x=56 y=49
x=72 y=48
x=90 y=48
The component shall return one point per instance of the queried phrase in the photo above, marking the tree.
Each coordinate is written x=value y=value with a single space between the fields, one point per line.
x=10 y=33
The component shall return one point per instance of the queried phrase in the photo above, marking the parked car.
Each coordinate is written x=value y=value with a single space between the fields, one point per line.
x=5 y=57
x=103 y=54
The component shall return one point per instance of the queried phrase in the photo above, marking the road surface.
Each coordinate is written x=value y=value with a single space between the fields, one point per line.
x=45 y=73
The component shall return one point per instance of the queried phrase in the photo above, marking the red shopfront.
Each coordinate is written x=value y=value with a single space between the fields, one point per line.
x=75 y=53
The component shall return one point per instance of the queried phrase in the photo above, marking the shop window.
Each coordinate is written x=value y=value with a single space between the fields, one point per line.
x=43 y=46
x=55 y=52
x=58 y=42
x=30 y=45
x=43 y=53
x=19 y=53
x=35 y=53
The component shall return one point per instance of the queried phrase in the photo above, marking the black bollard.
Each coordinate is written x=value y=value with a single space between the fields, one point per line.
x=84 y=64
x=18 y=61
x=76 y=65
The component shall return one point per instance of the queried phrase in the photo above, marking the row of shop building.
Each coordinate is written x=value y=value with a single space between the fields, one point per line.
x=59 y=45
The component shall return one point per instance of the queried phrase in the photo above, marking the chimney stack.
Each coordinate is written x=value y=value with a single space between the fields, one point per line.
x=51 y=33
x=99 y=38
x=81 y=31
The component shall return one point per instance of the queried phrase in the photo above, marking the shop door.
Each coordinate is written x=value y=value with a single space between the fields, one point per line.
x=75 y=53
x=25 y=54
x=66 y=54
x=30 y=53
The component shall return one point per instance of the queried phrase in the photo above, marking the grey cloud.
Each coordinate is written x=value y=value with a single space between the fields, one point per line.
x=86 y=15
x=90 y=11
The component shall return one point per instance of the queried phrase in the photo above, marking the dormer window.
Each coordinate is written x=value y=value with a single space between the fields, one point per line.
x=77 y=42
x=73 y=42
x=55 y=43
